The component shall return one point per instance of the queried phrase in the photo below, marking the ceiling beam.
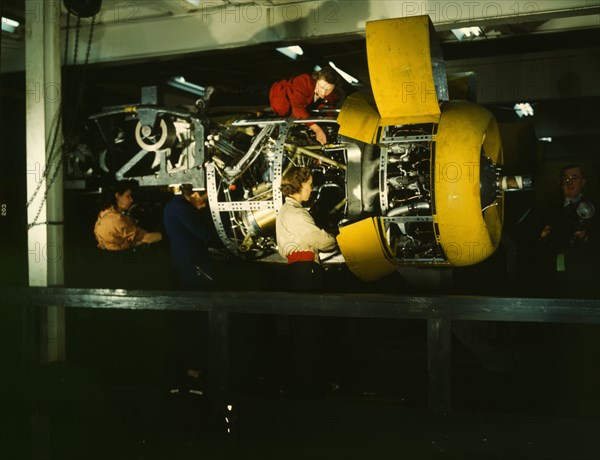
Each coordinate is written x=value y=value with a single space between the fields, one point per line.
x=129 y=31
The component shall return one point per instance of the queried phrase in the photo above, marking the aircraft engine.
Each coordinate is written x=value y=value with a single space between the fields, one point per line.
x=246 y=162
x=407 y=176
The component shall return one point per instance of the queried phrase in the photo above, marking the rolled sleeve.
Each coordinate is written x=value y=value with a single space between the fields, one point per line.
x=116 y=232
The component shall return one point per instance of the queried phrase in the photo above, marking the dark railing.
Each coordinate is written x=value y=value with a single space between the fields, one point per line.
x=438 y=311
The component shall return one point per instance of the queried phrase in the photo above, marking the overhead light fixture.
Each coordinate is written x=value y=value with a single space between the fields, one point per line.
x=345 y=75
x=9 y=25
x=292 y=51
x=523 y=109
x=180 y=83
x=545 y=139
x=467 y=32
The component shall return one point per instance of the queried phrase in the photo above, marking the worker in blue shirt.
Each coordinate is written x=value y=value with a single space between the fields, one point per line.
x=189 y=236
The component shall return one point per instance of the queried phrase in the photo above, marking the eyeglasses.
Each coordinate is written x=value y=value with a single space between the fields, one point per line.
x=569 y=179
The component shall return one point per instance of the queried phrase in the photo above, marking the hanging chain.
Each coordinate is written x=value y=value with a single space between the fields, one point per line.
x=57 y=123
x=54 y=130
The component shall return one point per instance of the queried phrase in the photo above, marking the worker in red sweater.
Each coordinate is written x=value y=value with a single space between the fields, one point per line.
x=297 y=95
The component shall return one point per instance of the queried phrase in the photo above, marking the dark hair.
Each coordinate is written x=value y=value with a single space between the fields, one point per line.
x=571 y=166
x=327 y=74
x=292 y=180
x=120 y=187
x=186 y=189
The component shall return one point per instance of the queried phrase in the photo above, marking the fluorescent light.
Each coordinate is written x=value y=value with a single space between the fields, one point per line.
x=10 y=22
x=467 y=32
x=296 y=49
x=523 y=109
x=345 y=75
x=292 y=51
x=9 y=25
x=180 y=83
x=545 y=139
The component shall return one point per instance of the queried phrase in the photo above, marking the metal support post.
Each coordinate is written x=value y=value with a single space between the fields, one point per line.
x=218 y=330
x=44 y=167
x=439 y=364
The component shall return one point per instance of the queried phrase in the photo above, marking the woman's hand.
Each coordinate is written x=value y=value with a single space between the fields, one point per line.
x=151 y=237
x=545 y=231
x=319 y=133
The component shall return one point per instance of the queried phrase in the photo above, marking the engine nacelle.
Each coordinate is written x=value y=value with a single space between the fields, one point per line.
x=407 y=177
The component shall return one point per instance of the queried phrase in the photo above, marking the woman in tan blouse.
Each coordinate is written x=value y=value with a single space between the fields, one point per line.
x=114 y=230
x=117 y=234
x=298 y=237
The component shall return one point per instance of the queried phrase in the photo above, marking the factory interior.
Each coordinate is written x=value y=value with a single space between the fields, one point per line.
x=433 y=356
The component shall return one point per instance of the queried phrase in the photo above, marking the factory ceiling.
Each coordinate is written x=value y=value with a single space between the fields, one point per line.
x=535 y=51
x=226 y=40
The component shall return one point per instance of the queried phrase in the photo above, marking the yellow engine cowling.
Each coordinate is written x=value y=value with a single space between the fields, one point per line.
x=406 y=91
x=366 y=251
x=466 y=234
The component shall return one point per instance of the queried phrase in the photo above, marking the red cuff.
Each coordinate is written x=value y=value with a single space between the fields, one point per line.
x=301 y=256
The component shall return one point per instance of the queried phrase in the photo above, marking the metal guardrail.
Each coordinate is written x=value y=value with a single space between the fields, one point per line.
x=438 y=311
x=517 y=309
